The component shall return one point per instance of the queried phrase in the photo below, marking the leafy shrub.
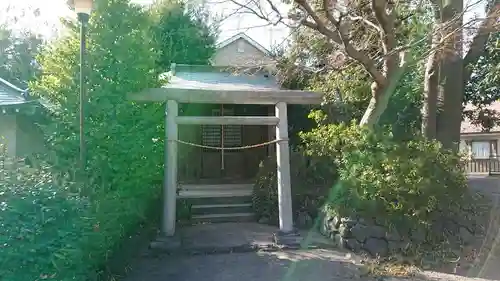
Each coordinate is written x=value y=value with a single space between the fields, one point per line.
x=41 y=223
x=123 y=151
x=310 y=181
x=124 y=140
x=124 y=145
x=408 y=186
x=48 y=231
x=265 y=192
x=114 y=217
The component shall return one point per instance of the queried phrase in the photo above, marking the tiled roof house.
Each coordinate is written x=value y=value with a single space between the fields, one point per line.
x=481 y=144
x=19 y=136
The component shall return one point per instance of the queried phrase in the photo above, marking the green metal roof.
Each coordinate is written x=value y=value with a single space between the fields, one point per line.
x=219 y=80
x=11 y=95
x=209 y=84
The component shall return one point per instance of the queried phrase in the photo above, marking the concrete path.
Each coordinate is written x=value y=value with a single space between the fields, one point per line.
x=230 y=237
x=308 y=265
x=290 y=265
x=268 y=266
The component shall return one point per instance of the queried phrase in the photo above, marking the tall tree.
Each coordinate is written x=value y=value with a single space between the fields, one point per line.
x=449 y=116
x=17 y=56
x=449 y=71
x=121 y=58
x=483 y=88
x=364 y=32
x=431 y=79
x=182 y=33
x=347 y=85
x=18 y=46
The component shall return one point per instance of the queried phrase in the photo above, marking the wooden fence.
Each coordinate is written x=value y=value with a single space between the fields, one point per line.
x=483 y=166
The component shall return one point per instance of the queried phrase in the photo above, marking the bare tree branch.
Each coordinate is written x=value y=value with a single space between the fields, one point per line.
x=339 y=38
x=477 y=47
x=367 y=22
x=386 y=22
x=250 y=9
x=328 y=13
x=275 y=9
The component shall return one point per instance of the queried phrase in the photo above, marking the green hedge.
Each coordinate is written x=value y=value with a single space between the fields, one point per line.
x=40 y=225
x=48 y=231
x=408 y=186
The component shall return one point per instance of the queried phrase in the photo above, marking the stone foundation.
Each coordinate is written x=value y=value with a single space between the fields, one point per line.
x=360 y=235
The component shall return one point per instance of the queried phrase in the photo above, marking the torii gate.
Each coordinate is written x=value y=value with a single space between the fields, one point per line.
x=217 y=85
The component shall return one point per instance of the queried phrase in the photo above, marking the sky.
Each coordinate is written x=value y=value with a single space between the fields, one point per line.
x=52 y=10
x=268 y=36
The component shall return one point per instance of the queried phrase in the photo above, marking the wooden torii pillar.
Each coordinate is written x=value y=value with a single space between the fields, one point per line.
x=187 y=89
x=283 y=169
x=171 y=165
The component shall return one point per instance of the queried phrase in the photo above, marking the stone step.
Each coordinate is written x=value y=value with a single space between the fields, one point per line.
x=228 y=200
x=221 y=209
x=219 y=218
x=214 y=193
x=212 y=203
x=216 y=186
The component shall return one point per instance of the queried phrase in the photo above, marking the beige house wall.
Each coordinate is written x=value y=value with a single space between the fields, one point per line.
x=29 y=137
x=481 y=165
x=19 y=136
x=8 y=134
x=241 y=53
x=479 y=137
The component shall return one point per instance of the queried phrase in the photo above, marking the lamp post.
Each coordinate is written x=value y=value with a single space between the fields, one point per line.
x=82 y=9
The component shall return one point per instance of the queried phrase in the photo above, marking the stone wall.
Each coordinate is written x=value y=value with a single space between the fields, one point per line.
x=370 y=236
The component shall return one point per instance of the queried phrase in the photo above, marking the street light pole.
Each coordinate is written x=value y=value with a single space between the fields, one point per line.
x=83 y=18
x=82 y=9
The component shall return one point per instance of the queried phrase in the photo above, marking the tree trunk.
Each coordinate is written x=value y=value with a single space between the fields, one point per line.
x=450 y=119
x=378 y=104
x=380 y=97
x=431 y=83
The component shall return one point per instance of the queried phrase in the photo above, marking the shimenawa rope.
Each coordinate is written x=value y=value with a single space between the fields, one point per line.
x=230 y=148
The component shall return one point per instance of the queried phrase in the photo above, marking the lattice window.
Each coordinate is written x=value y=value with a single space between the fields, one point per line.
x=232 y=135
x=212 y=133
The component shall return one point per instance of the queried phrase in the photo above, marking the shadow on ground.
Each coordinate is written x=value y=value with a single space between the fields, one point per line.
x=482 y=259
x=264 y=266
x=203 y=259
x=301 y=265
